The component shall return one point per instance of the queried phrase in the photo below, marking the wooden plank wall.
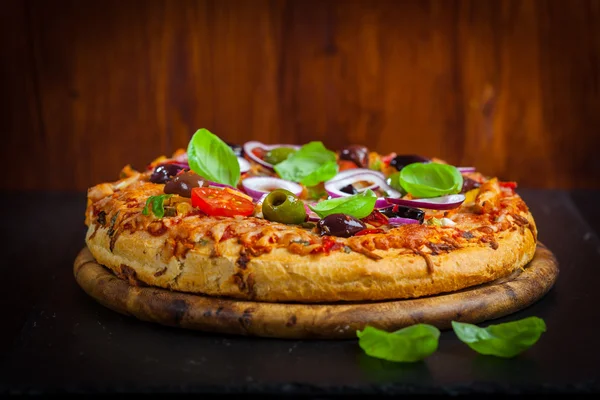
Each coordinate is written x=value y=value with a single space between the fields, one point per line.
x=510 y=86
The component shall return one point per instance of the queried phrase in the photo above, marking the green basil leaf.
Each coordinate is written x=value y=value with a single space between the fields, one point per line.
x=212 y=158
x=394 y=181
x=358 y=205
x=430 y=179
x=157 y=204
x=409 y=344
x=310 y=165
x=323 y=173
x=502 y=340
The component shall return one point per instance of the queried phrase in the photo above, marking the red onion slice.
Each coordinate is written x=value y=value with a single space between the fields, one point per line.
x=334 y=185
x=257 y=186
x=381 y=202
x=244 y=165
x=311 y=216
x=253 y=144
x=435 y=203
x=465 y=169
x=355 y=171
x=402 y=221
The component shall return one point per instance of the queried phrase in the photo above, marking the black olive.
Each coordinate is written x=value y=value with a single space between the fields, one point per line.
x=357 y=154
x=469 y=184
x=183 y=184
x=349 y=189
x=164 y=173
x=341 y=225
x=403 y=160
x=237 y=149
x=397 y=211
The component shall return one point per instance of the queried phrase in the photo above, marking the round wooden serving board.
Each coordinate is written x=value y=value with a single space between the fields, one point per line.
x=323 y=321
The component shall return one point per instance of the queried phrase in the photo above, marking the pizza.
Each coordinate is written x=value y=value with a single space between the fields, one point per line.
x=306 y=224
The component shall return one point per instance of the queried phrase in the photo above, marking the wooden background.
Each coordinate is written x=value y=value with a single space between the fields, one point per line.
x=512 y=87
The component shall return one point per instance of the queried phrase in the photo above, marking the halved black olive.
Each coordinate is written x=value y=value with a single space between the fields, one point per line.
x=469 y=184
x=183 y=184
x=341 y=225
x=403 y=160
x=349 y=189
x=164 y=172
x=397 y=211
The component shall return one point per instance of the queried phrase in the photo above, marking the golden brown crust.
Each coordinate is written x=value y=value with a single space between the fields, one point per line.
x=283 y=276
x=486 y=238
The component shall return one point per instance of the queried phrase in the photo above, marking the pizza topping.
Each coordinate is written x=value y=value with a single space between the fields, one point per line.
x=488 y=197
x=213 y=159
x=164 y=172
x=341 y=225
x=279 y=154
x=258 y=186
x=219 y=202
x=403 y=212
x=436 y=203
x=183 y=183
x=310 y=165
x=375 y=219
x=156 y=204
x=401 y=161
x=430 y=180
x=469 y=184
x=357 y=154
x=257 y=152
x=393 y=181
x=366 y=178
x=283 y=206
x=359 y=205
x=395 y=221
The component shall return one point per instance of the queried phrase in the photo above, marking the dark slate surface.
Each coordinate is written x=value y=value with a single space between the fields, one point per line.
x=54 y=338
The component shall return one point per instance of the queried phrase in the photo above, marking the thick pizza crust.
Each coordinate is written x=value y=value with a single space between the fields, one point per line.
x=281 y=275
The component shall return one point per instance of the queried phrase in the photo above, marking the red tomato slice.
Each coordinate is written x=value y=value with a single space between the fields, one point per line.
x=217 y=202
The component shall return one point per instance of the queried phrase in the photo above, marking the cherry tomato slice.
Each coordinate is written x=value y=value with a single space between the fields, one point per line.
x=217 y=202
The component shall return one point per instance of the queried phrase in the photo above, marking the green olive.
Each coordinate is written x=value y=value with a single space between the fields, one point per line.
x=283 y=206
x=279 y=154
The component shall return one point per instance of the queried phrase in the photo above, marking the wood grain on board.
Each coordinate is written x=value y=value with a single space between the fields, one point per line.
x=509 y=86
x=310 y=321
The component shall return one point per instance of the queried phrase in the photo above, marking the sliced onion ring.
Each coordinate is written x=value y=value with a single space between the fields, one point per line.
x=334 y=185
x=244 y=165
x=253 y=144
x=381 y=203
x=465 y=169
x=311 y=216
x=355 y=171
x=402 y=221
x=257 y=186
x=435 y=203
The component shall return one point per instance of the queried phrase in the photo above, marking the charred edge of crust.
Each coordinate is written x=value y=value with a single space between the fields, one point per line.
x=245 y=319
x=129 y=274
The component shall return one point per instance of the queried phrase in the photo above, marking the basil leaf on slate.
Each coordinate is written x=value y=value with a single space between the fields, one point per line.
x=212 y=158
x=503 y=340
x=409 y=344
